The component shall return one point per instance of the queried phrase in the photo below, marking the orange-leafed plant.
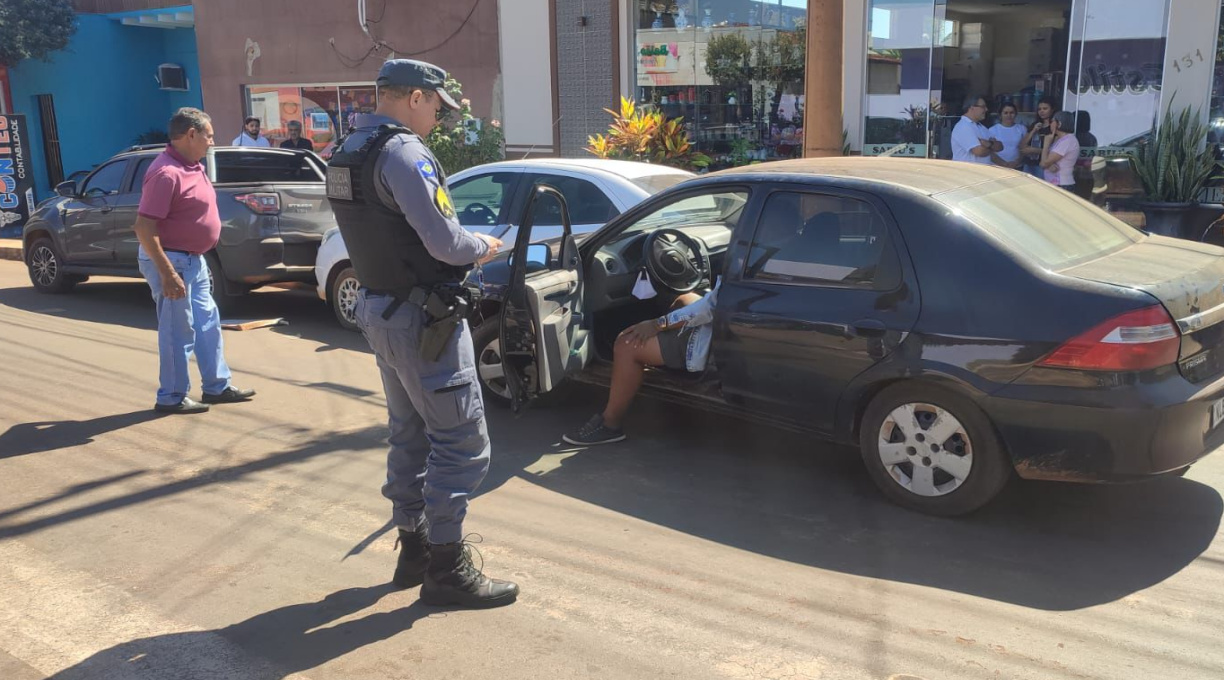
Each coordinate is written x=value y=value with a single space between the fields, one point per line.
x=638 y=134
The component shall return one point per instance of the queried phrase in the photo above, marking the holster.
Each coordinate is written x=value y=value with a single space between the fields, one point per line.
x=443 y=318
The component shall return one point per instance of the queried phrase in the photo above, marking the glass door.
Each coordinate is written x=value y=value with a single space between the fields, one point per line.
x=901 y=40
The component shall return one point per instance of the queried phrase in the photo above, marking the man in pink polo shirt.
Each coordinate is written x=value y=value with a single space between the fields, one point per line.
x=177 y=223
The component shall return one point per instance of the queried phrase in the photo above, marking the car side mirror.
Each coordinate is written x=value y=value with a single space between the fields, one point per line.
x=539 y=257
x=66 y=189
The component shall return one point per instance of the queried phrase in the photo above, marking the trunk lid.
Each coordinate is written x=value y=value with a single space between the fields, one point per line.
x=1188 y=279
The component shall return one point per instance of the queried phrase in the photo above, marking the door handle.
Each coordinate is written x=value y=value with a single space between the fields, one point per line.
x=105 y=209
x=869 y=328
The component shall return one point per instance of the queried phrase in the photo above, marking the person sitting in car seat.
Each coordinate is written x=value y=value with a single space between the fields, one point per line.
x=678 y=340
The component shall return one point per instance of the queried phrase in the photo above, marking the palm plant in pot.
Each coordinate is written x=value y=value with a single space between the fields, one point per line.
x=1173 y=164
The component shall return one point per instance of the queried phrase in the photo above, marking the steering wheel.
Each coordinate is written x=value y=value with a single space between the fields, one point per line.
x=675 y=260
x=478 y=213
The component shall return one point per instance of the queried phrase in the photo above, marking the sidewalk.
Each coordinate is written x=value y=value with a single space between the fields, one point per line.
x=10 y=249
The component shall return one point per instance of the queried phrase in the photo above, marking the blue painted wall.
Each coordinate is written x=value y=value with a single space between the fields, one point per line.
x=104 y=88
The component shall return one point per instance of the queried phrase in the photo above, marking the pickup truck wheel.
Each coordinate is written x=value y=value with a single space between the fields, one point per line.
x=489 y=370
x=342 y=297
x=46 y=268
x=932 y=450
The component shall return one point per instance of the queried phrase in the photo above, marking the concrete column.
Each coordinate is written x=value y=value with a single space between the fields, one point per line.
x=822 y=113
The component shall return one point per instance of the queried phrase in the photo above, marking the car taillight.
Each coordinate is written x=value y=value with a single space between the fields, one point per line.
x=1135 y=341
x=260 y=204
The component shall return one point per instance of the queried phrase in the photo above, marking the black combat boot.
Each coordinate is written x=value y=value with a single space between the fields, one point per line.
x=413 y=557
x=452 y=579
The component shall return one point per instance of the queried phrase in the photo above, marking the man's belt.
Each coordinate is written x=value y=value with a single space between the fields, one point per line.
x=446 y=306
x=180 y=251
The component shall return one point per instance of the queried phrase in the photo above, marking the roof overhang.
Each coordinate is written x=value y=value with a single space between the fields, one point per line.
x=169 y=17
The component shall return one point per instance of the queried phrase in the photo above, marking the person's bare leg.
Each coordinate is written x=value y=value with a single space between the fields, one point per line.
x=684 y=300
x=628 y=363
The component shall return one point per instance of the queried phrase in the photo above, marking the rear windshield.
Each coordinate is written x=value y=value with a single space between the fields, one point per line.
x=250 y=167
x=1041 y=221
x=653 y=184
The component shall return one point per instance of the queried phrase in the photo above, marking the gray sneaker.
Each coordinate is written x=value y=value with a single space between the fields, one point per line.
x=594 y=433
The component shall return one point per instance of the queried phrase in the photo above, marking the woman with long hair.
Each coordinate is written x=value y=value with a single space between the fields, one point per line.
x=1046 y=108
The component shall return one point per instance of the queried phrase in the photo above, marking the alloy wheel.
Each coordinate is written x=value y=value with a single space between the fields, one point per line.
x=925 y=449
x=346 y=299
x=44 y=266
x=492 y=372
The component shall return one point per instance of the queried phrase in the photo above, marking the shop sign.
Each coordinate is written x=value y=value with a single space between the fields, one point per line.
x=896 y=150
x=16 y=176
x=659 y=57
x=662 y=64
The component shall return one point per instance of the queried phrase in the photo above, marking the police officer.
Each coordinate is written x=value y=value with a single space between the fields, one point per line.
x=394 y=210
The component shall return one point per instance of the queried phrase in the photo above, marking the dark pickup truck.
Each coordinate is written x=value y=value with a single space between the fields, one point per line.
x=273 y=208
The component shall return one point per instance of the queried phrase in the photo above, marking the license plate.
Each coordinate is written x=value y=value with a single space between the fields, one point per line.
x=1217 y=412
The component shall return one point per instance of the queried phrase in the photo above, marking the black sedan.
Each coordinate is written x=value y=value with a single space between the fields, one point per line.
x=957 y=322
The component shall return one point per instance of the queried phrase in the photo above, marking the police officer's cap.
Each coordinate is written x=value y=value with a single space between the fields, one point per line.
x=413 y=73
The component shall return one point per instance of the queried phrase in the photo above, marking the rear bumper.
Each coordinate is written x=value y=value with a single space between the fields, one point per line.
x=270 y=260
x=1155 y=424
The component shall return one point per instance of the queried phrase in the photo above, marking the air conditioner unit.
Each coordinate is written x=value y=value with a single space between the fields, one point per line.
x=172 y=77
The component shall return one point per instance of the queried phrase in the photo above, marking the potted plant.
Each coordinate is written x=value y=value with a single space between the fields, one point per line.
x=637 y=134
x=1173 y=164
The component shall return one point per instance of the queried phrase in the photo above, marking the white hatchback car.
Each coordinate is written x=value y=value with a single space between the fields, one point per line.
x=491 y=199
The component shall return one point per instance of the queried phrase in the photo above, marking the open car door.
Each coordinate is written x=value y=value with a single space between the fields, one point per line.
x=542 y=335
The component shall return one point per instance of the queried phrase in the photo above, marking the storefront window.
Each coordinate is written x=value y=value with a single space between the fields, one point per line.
x=732 y=69
x=899 y=88
x=325 y=112
x=275 y=107
x=321 y=113
x=355 y=100
x=1217 y=87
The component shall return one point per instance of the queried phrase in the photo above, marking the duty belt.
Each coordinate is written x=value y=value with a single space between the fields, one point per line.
x=420 y=296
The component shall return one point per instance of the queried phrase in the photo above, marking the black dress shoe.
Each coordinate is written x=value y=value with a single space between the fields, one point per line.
x=187 y=405
x=229 y=395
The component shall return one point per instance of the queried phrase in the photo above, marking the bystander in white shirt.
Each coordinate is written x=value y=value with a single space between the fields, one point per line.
x=966 y=136
x=243 y=139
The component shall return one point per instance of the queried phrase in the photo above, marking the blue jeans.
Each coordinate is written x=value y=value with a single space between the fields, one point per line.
x=187 y=325
x=439 y=443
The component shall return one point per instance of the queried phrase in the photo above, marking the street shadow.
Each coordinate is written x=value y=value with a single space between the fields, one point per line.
x=354 y=443
x=26 y=438
x=267 y=646
x=1044 y=545
x=126 y=302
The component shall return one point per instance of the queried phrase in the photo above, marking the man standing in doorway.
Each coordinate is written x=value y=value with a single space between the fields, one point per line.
x=250 y=134
x=177 y=223
x=296 y=140
x=971 y=140
x=396 y=216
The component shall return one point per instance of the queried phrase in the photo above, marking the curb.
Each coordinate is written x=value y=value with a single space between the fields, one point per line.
x=10 y=249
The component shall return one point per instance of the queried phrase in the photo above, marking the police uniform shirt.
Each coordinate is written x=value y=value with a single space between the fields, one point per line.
x=409 y=177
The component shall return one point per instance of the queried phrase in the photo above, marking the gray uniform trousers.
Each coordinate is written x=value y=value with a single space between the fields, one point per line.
x=439 y=444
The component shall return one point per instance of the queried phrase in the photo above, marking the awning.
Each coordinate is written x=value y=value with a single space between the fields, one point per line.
x=169 y=17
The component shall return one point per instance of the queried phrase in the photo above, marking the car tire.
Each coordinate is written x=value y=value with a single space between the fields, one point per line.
x=955 y=476
x=46 y=268
x=489 y=372
x=342 y=298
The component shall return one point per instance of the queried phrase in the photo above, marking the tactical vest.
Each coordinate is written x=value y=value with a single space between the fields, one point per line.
x=386 y=251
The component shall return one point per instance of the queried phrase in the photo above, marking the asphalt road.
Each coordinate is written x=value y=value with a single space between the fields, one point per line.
x=251 y=542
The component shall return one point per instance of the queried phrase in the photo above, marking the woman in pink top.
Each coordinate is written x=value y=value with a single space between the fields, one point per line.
x=1060 y=151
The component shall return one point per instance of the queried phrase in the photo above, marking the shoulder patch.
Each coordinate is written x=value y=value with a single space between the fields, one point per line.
x=442 y=202
x=426 y=168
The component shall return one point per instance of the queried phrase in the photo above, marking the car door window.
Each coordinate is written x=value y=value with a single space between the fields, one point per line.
x=479 y=200
x=106 y=180
x=142 y=168
x=822 y=239
x=586 y=202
